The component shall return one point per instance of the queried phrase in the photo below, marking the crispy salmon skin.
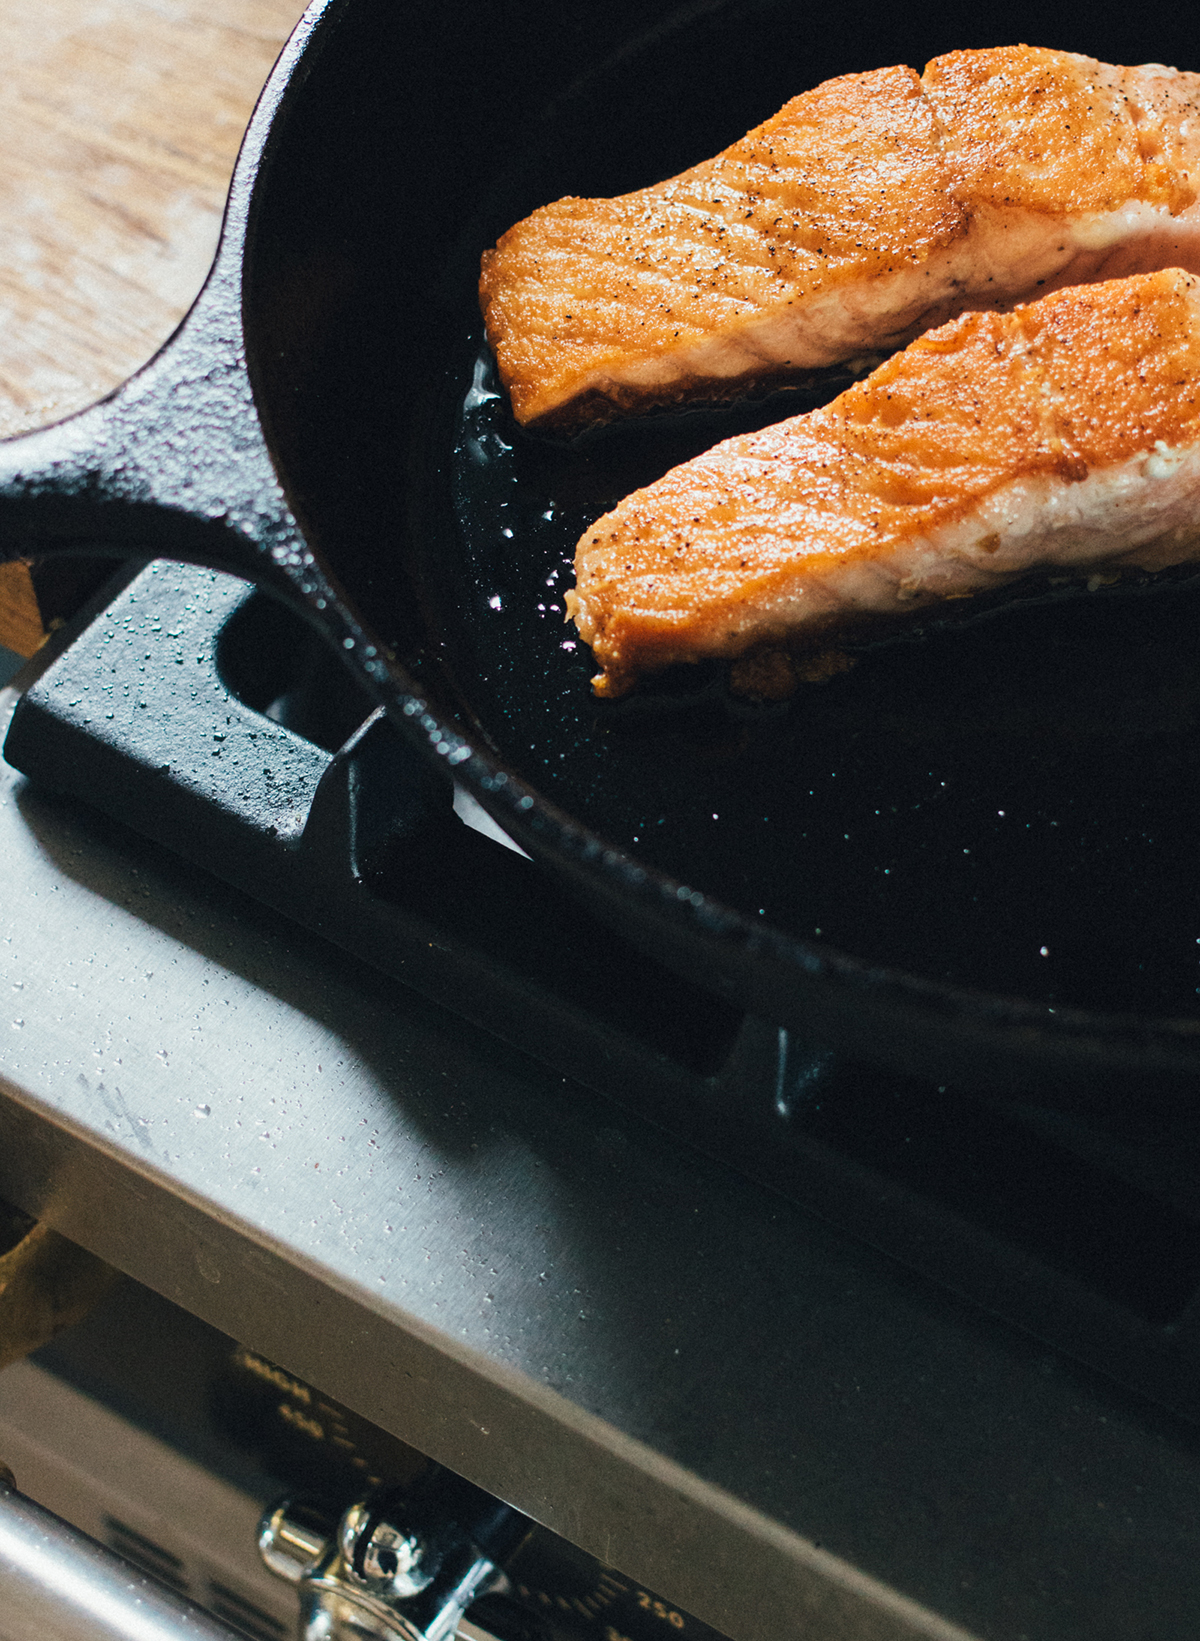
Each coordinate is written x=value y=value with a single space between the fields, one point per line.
x=1062 y=437
x=864 y=212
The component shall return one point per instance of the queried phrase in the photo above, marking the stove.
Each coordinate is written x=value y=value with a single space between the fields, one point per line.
x=298 y=1042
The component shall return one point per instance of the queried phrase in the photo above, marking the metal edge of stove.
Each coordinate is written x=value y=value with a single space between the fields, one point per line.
x=725 y=1561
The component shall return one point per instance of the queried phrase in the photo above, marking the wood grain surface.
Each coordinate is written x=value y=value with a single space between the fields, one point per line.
x=122 y=120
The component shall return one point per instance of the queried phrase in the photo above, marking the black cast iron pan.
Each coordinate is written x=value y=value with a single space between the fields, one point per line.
x=975 y=857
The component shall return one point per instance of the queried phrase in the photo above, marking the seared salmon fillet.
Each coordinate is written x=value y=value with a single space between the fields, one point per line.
x=864 y=212
x=1062 y=437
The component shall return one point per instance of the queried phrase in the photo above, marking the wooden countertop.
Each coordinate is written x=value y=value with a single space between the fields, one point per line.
x=122 y=120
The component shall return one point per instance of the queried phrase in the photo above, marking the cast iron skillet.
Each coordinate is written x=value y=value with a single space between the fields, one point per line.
x=972 y=858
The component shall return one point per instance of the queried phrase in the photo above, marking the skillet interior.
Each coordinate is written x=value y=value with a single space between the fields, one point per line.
x=1009 y=807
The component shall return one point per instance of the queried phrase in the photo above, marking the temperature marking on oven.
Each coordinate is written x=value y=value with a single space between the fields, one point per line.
x=301 y=1421
x=660 y=1610
x=273 y=1376
x=589 y=1606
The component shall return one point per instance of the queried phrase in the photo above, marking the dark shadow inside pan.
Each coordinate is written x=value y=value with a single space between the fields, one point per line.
x=1011 y=806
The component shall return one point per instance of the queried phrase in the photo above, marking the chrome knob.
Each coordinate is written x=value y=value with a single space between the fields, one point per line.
x=292 y=1539
x=383 y=1573
x=388 y=1560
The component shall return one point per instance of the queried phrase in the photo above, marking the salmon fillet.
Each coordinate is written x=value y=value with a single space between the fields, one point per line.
x=1062 y=437
x=863 y=213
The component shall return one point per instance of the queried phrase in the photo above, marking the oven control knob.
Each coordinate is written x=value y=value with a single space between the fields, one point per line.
x=379 y=1574
x=293 y=1538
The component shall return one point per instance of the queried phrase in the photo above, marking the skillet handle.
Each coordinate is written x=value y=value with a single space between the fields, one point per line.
x=172 y=465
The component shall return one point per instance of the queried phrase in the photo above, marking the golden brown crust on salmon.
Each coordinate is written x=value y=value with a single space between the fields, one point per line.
x=863 y=212
x=1063 y=436
x=1053 y=132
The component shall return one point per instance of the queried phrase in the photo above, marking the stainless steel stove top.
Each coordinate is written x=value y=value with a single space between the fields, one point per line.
x=698 y=1382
